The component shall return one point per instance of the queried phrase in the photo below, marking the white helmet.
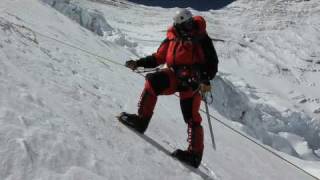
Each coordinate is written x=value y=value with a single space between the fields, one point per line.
x=181 y=16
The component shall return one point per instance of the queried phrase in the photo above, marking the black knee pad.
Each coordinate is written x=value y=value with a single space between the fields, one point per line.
x=159 y=81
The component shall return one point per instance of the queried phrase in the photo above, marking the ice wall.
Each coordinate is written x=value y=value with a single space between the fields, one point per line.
x=274 y=127
x=90 y=19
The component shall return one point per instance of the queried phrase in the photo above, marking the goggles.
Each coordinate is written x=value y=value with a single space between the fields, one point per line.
x=185 y=26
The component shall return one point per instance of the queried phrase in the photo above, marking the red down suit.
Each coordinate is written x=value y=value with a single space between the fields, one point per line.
x=196 y=55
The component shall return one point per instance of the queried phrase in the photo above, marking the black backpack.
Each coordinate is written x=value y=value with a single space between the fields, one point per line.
x=210 y=68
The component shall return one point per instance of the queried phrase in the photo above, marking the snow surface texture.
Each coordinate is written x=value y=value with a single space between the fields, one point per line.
x=58 y=104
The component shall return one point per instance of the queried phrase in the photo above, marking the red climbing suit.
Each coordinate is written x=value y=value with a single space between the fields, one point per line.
x=177 y=52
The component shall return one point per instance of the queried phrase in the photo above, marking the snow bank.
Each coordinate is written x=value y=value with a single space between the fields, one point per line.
x=265 y=122
x=92 y=20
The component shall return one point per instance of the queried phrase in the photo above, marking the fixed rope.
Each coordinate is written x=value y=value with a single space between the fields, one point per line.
x=261 y=145
x=140 y=73
x=69 y=45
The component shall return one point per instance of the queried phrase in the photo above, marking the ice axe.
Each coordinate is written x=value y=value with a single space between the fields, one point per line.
x=209 y=120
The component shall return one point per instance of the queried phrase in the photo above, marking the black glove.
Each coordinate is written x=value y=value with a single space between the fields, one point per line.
x=132 y=64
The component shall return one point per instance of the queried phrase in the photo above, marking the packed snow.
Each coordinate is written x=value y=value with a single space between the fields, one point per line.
x=58 y=104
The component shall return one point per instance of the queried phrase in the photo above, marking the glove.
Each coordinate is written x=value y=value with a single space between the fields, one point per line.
x=204 y=88
x=132 y=64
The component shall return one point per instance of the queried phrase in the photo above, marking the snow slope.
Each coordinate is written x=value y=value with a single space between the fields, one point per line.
x=58 y=104
x=261 y=55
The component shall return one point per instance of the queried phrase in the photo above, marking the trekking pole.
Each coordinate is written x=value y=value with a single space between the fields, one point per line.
x=209 y=121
